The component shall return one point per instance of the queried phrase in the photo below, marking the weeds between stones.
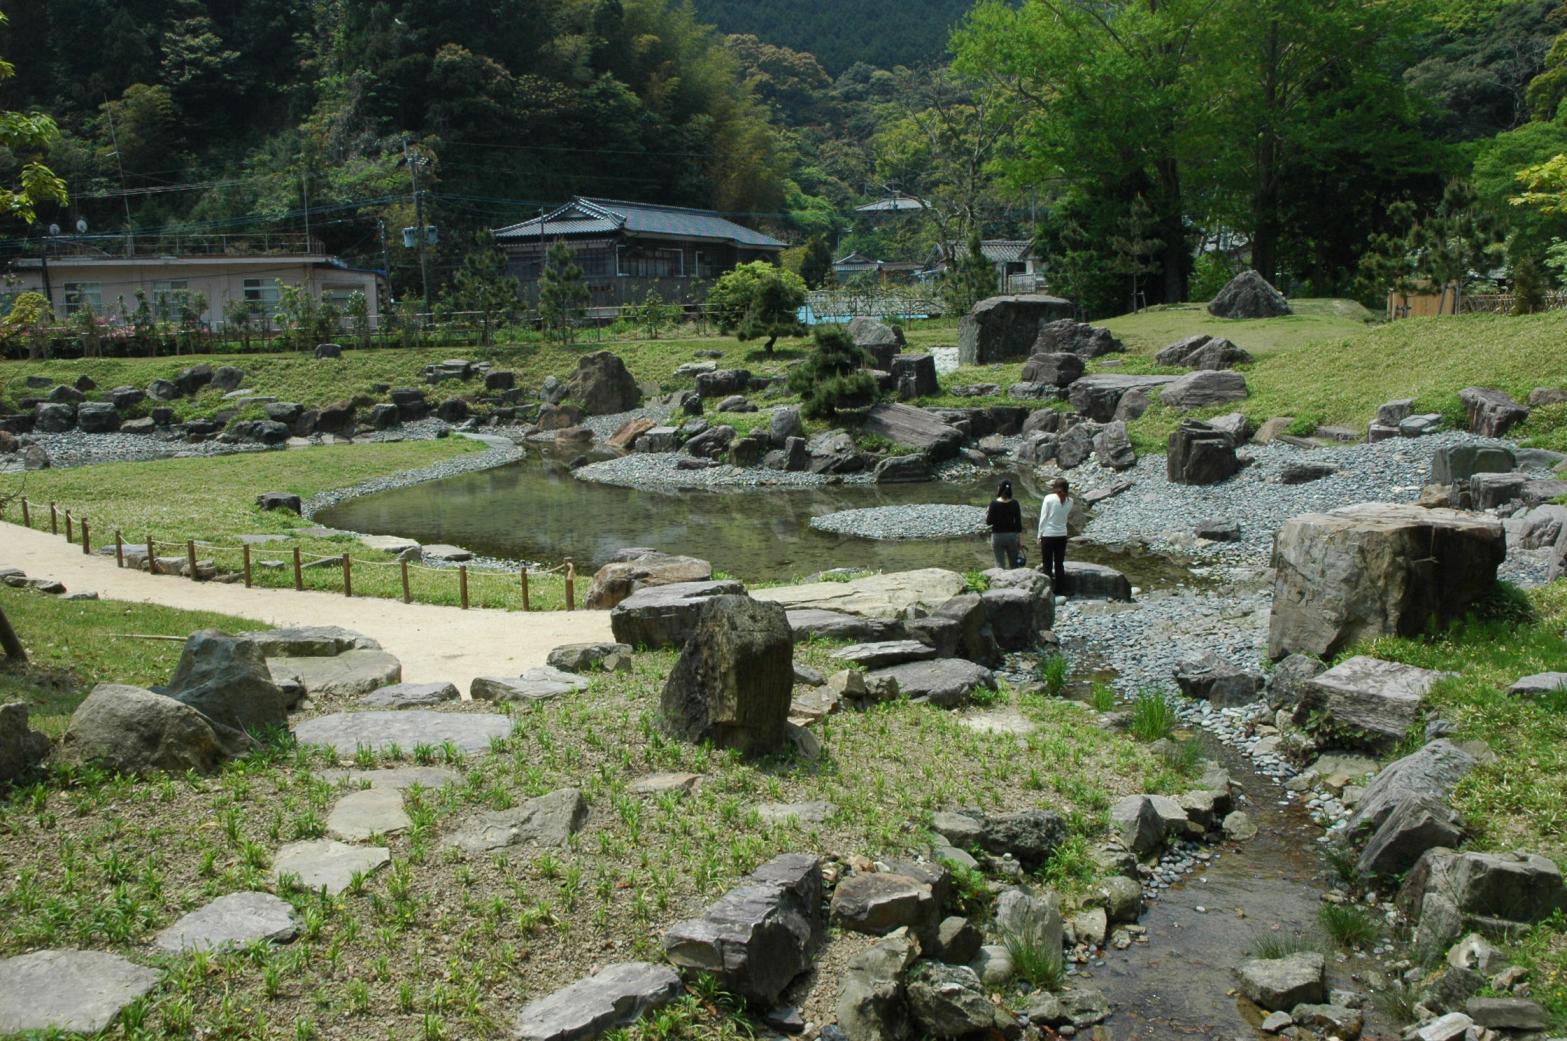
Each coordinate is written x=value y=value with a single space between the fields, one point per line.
x=1282 y=944
x=1102 y=697
x=1053 y=670
x=1039 y=964
x=1348 y=925
x=1153 y=717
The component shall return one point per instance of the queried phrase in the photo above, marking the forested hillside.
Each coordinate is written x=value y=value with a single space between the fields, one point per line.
x=883 y=33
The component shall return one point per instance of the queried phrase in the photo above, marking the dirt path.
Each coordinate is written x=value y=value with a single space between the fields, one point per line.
x=433 y=643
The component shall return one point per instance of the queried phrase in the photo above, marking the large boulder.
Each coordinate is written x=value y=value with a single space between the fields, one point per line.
x=1196 y=453
x=603 y=386
x=226 y=679
x=1056 y=368
x=1033 y=582
x=1430 y=772
x=1377 y=570
x=1203 y=388
x=1113 y=447
x=1203 y=352
x=946 y=682
x=760 y=935
x=1098 y=396
x=871 y=1005
x=877 y=339
x=22 y=749
x=914 y=375
x=1249 y=295
x=97 y=417
x=1217 y=681
x=807 y=622
x=665 y=616
x=1492 y=413
x=1448 y=893
x=733 y=681
x=1004 y=328
x=134 y=731
x=914 y=428
x=1451 y=464
x=613 y=998
x=620 y=578
x=1414 y=826
x=1382 y=698
x=896 y=595
x=880 y=901
x=949 y=1001
x=1087 y=581
x=1065 y=336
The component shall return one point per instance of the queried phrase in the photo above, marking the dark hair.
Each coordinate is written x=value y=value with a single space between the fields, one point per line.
x=1005 y=491
x=1059 y=482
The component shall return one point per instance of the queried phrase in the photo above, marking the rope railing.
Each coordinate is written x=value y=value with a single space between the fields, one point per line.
x=473 y=586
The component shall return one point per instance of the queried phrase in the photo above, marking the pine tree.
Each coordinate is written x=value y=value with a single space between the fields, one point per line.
x=816 y=265
x=482 y=286
x=1134 y=248
x=563 y=298
x=972 y=278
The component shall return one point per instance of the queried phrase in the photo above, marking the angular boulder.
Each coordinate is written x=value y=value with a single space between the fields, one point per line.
x=946 y=682
x=1414 y=826
x=1098 y=396
x=1382 y=698
x=1217 y=681
x=1492 y=413
x=134 y=731
x=1451 y=464
x=1004 y=328
x=914 y=375
x=871 y=1005
x=1065 y=336
x=949 y=1001
x=1430 y=772
x=1198 y=454
x=1204 y=388
x=1057 y=369
x=620 y=578
x=878 y=902
x=22 y=749
x=1096 y=582
x=1283 y=983
x=1377 y=570
x=613 y=998
x=732 y=682
x=1249 y=295
x=914 y=428
x=665 y=616
x=602 y=385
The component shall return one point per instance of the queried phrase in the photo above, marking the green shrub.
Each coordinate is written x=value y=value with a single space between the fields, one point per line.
x=832 y=377
x=1038 y=964
x=1305 y=426
x=1102 y=697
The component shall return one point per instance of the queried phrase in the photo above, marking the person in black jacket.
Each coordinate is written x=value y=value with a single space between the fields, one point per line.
x=1005 y=518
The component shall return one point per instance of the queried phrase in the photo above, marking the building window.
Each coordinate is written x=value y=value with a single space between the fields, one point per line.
x=262 y=295
x=169 y=296
x=339 y=294
x=656 y=263
x=596 y=263
x=79 y=295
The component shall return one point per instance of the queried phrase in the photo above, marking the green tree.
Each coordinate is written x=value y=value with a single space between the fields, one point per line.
x=563 y=297
x=482 y=285
x=970 y=278
x=1133 y=249
x=816 y=264
x=653 y=315
x=27 y=136
x=833 y=377
x=758 y=301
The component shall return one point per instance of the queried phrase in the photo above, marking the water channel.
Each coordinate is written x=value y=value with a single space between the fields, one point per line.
x=536 y=510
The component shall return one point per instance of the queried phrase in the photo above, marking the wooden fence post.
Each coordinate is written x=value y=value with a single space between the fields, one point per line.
x=54 y=520
x=299 y=573
x=462 y=584
x=27 y=514
x=407 y=593
x=68 y=536
x=348 y=577
x=119 y=548
x=86 y=537
x=190 y=558
x=525 y=589
x=245 y=551
x=152 y=557
x=571 y=585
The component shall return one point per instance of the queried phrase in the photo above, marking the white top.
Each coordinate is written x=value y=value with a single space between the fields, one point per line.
x=1052 y=516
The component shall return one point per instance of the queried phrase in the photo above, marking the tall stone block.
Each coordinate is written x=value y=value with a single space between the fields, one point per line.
x=732 y=684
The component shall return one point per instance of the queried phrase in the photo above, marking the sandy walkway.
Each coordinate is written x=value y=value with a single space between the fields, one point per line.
x=433 y=643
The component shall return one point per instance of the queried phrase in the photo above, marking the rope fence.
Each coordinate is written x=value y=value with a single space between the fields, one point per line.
x=200 y=560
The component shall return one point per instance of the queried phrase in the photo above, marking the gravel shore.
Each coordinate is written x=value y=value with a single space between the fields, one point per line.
x=500 y=451
x=661 y=470
x=923 y=521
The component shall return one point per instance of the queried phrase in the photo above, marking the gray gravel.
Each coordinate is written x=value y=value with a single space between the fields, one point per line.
x=501 y=451
x=923 y=521
x=78 y=449
x=658 y=470
x=604 y=426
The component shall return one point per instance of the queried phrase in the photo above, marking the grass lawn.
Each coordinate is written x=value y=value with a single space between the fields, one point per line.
x=443 y=944
x=1518 y=800
x=213 y=499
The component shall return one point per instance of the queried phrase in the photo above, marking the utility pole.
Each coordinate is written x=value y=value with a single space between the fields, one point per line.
x=125 y=195
x=424 y=269
x=43 y=258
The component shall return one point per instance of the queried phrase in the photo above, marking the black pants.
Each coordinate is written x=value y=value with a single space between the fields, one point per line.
x=1052 y=558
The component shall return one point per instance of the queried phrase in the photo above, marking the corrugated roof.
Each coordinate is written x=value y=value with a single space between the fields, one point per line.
x=584 y=216
x=999 y=251
x=892 y=204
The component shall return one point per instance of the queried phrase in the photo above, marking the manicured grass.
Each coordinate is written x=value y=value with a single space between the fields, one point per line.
x=1518 y=800
x=447 y=944
x=213 y=500
x=73 y=645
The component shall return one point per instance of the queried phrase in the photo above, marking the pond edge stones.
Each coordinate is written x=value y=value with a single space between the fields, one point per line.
x=77 y=991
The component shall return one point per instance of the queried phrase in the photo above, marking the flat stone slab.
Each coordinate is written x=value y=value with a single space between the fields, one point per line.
x=901 y=594
x=807 y=622
x=327 y=864
x=548 y=820
x=1539 y=683
x=947 y=682
x=389 y=543
x=805 y=812
x=374 y=811
x=1383 y=697
x=347 y=732
x=398 y=777
x=231 y=921
x=540 y=683
x=309 y=641
x=614 y=997
x=347 y=675
x=410 y=695
x=659 y=784
x=76 y=991
x=888 y=652
x=440 y=551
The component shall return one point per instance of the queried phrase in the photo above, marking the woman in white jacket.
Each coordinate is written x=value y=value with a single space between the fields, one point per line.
x=1053 y=514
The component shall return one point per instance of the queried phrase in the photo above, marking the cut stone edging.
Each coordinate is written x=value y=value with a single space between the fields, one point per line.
x=500 y=452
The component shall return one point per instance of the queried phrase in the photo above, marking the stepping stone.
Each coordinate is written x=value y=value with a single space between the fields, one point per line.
x=658 y=784
x=443 y=553
x=834 y=625
x=347 y=732
x=76 y=991
x=1540 y=683
x=889 y=652
x=540 y=683
x=946 y=682
x=410 y=695
x=260 y=540
x=397 y=778
x=1004 y=722
x=327 y=864
x=614 y=997
x=345 y=675
x=231 y=921
x=374 y=811
x=804 y=812
x=389 y=543
x=548 y=820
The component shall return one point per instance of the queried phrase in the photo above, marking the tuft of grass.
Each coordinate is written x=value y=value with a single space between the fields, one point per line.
x=1038 y=964
x=1348 y=925
x=1054 y=670
x=1281 y=945
x=1153 y=716
x=1102 y=697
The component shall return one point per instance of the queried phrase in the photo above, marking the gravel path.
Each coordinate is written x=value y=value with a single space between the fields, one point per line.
x=923 y=521
x=501 y=450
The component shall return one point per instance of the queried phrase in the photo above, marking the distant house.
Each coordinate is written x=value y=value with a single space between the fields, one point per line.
x=854 y=264
x=1017 y=269
x=96 y=274
x=627 y=249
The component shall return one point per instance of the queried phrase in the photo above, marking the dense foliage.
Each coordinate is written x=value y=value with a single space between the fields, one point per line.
x=883 y=33
x=758 y=301
x=833 y=377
